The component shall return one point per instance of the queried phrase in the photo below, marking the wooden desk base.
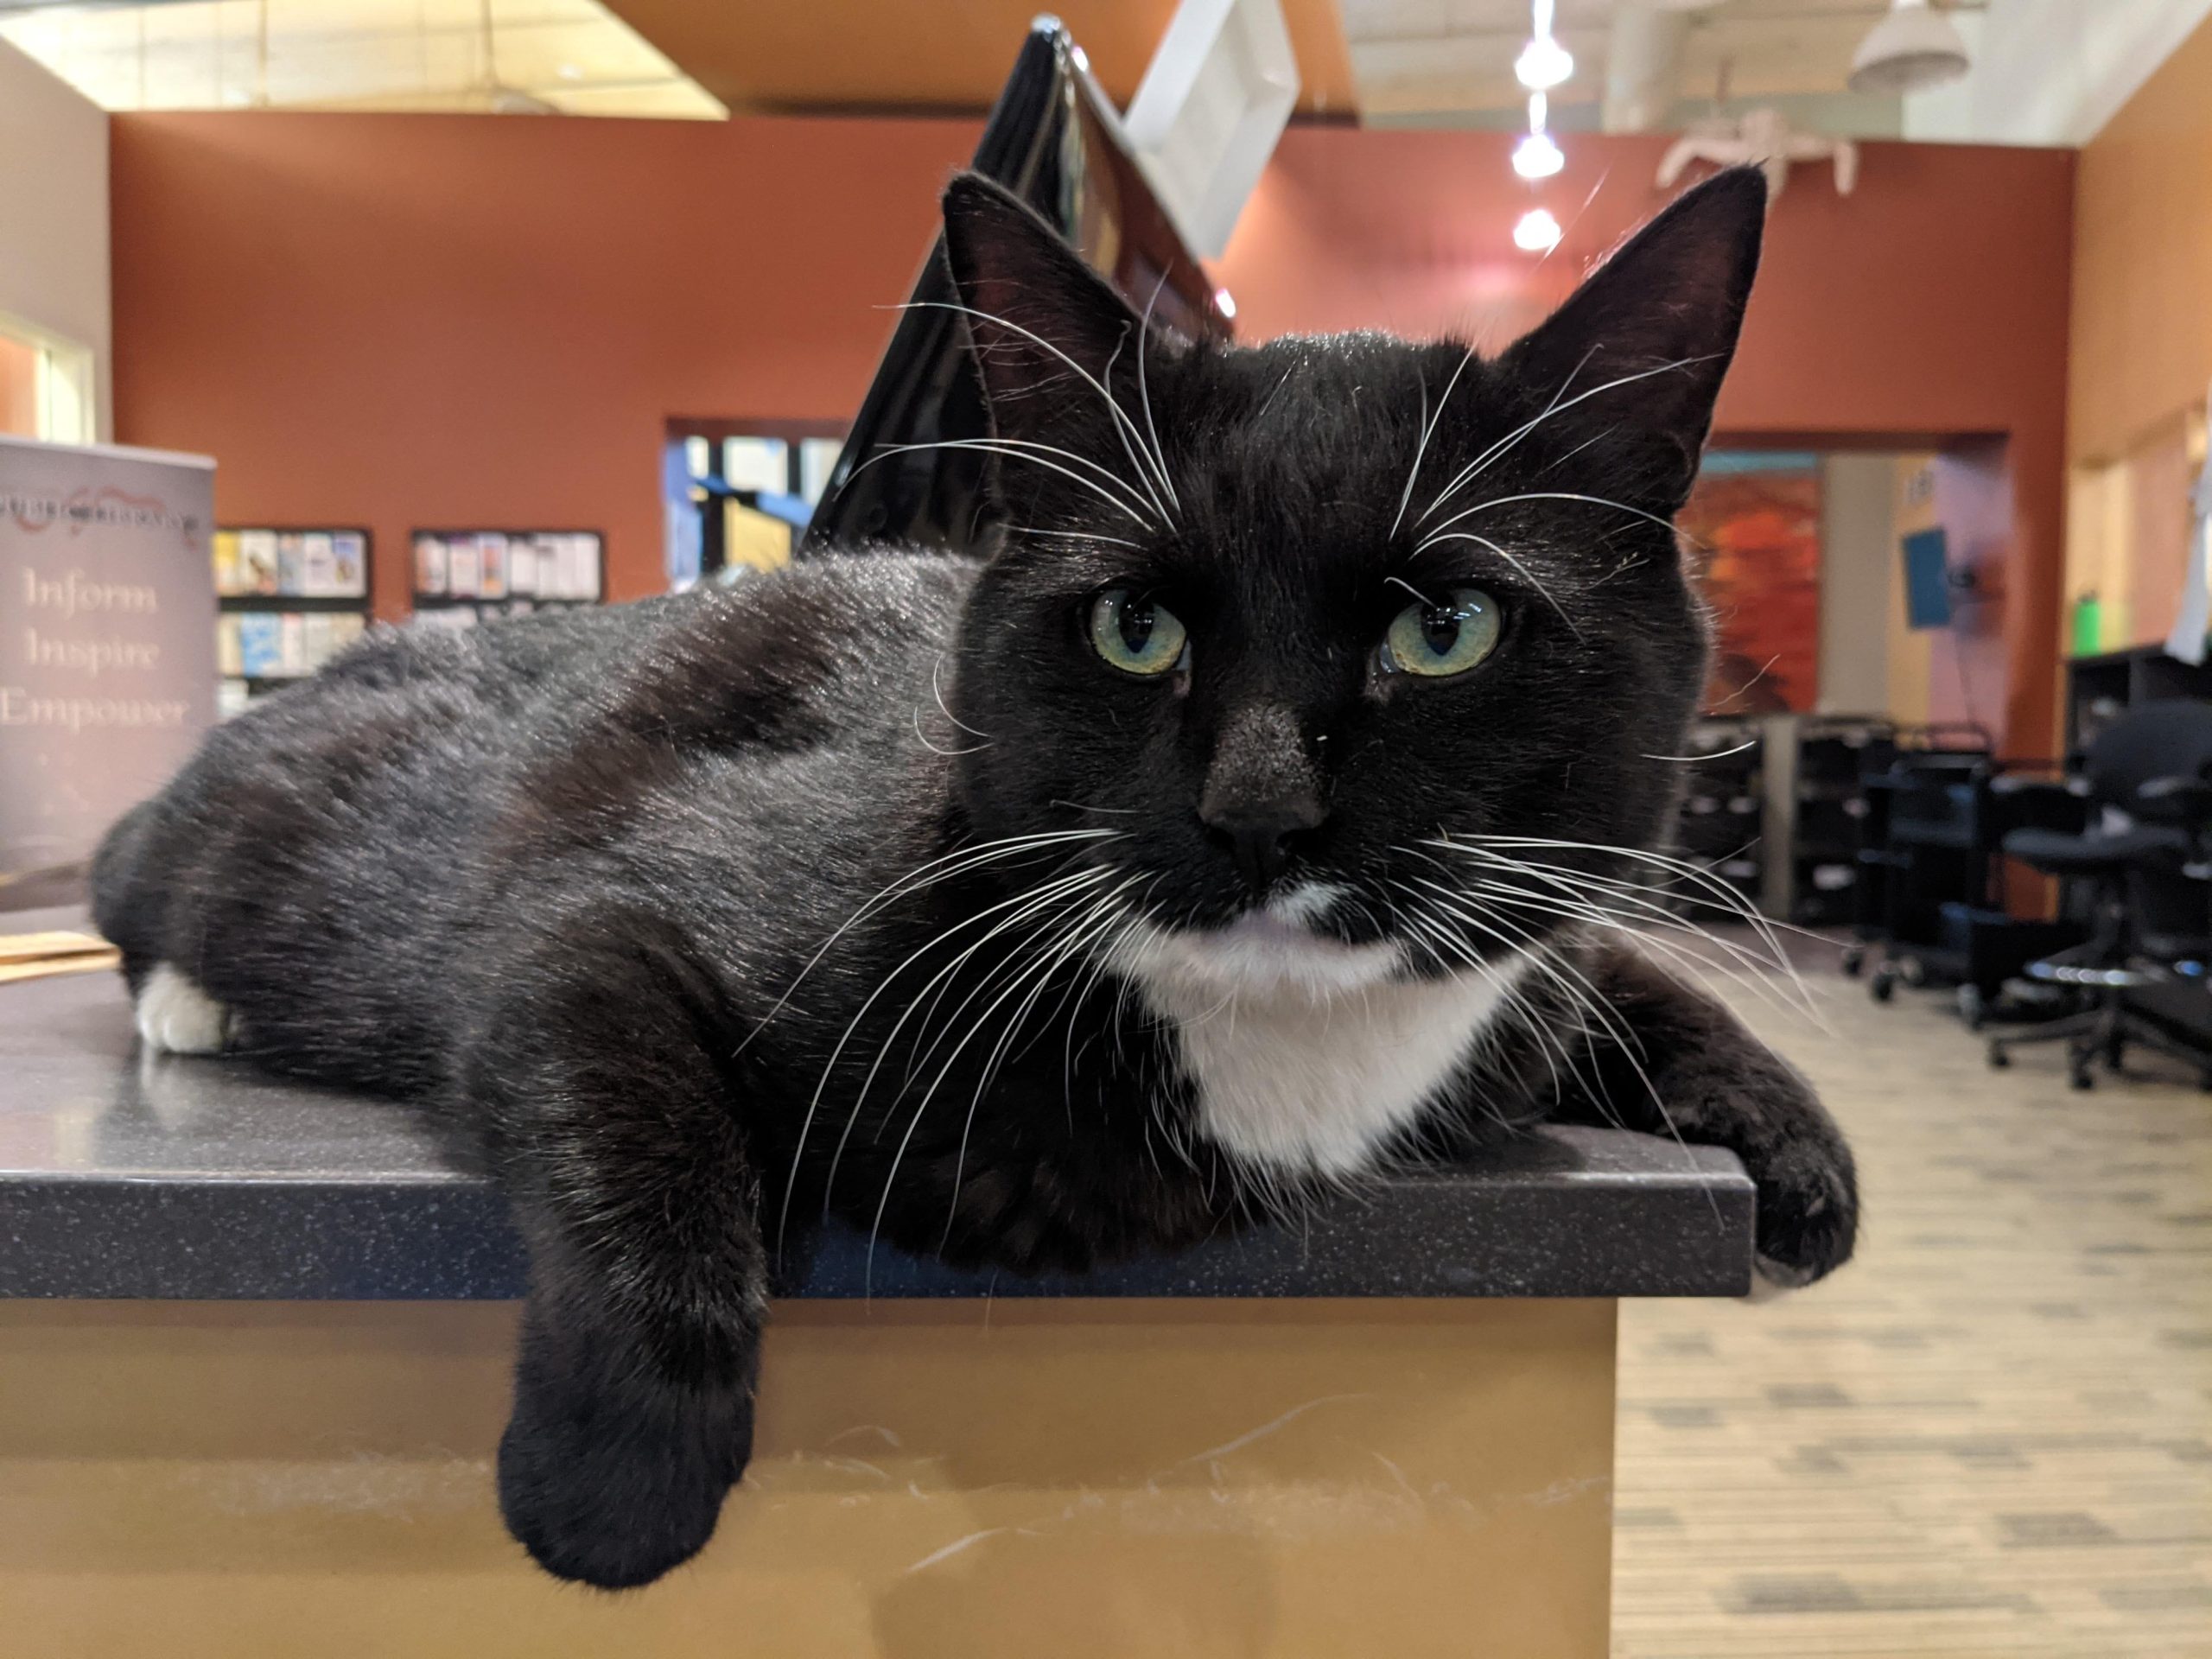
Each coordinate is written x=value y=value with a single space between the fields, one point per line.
x=940 y=1480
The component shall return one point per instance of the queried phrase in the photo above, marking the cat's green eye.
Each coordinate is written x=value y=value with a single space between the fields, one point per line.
x=1444 y=638
x=1137 y=635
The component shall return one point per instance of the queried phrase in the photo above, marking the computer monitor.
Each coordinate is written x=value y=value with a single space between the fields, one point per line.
x=1927 y=580
x=1052 y=140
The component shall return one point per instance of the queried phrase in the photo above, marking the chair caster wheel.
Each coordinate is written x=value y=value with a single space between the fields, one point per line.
x=1998 y=1059
x=1854 y=958
x=2081 y=1078
x=1972 y=1007
x=1882 y=986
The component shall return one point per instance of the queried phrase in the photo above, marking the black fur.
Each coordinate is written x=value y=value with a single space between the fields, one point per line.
x=621 y=891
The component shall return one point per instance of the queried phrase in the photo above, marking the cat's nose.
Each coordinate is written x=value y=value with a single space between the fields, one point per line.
x=1262 y=836
x=1262 y=791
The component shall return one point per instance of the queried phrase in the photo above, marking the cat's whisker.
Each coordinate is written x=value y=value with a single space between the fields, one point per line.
x=1537 y=1021
x=1653 y=905
x=1029 y=901
x=1645 y=915
x=1747 y=973
x=1467 y=906
x=959 y=861
x=1144 y=392
x=1446 y=946
x=949 y=755
x=1019 y=450
x=1103 y=961
x=1038 y=901
x=1727 y=898
x=1120 y=415
x=1717 y=755
x=1427 y=430
x=1613 y=903
x=1576 y=986
x=1666 y=524
x=938 y=691
x=1527 y=575
x=1259 y=414
x=1475 y=469
x=1588 y=887
x=1075 y=938
x=1040 y=962
x=829 y=1066
x=1484 y=458
x=1772 y=958
x=1072 y=534
x=1151 y=485
x=918 y=1054
x=1554 y=465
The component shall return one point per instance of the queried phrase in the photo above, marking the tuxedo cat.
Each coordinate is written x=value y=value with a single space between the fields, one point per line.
x=1283 y=796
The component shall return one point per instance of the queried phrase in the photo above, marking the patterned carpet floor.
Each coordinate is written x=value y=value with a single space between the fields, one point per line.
x=1992 y=1435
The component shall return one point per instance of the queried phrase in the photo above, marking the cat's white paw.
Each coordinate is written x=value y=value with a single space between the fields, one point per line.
x=176 y=1017
x=1771 y=1280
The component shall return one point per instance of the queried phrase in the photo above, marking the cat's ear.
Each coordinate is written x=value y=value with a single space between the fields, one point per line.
x=1660 y=318
x=1039 y=317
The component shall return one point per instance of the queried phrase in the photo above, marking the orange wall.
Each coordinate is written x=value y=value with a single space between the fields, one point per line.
x=406 y=320
x=403 y=321
x=2143 y=260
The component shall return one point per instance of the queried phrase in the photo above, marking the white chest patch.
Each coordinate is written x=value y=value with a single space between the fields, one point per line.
x=1310 y=1059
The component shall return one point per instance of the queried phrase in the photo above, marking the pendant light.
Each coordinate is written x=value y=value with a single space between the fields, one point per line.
x=1911 y=48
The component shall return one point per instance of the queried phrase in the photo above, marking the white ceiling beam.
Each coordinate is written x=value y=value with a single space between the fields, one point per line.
x=1643 y=67
x=2051 y=71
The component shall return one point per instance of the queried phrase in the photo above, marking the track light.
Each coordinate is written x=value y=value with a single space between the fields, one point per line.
x=1537 y=232
x=1543 y=62
x=1536 y=156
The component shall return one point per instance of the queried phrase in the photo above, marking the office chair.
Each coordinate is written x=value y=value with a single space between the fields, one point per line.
x=2152 y=920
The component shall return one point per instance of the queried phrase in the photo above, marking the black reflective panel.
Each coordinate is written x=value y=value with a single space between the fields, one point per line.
x=1051 y=140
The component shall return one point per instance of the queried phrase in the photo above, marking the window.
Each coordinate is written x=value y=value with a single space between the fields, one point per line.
x=739 y=494
x=46 y=385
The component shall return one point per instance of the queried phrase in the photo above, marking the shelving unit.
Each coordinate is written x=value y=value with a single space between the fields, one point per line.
x=2099 y=689
x=1772 y=805
x=1721 y=826
x=463 y=577
x=1829 y=804
x=288 y=598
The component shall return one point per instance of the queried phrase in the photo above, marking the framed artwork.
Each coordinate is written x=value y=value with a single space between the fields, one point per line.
x=1752 y=527
x=466 y=577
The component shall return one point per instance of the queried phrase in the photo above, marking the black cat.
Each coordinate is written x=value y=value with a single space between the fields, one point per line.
x=1274 y=803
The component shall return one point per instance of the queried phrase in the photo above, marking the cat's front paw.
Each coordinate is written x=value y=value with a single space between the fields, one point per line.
x=1807 y=1206
x=613 y=1491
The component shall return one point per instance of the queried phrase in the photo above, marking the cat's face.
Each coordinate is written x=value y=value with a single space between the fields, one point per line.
x=1324 y=630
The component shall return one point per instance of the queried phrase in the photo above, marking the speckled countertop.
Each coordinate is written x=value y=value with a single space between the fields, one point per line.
x=126 y=1177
